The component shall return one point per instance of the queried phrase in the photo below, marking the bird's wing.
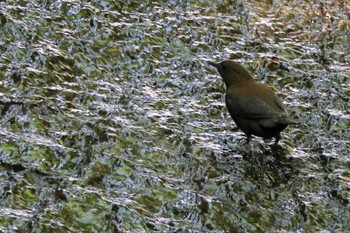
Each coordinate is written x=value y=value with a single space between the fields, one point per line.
x=253 y=108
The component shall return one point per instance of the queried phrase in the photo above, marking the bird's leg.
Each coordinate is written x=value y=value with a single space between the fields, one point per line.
x=249 y=137
x=278 y=137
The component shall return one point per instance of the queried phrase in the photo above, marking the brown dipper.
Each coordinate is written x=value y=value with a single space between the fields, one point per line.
x=253 y=106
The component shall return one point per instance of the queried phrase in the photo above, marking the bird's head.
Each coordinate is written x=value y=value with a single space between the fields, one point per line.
x=232 y=72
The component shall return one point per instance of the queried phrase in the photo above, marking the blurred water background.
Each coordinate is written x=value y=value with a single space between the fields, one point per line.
x=112 y=121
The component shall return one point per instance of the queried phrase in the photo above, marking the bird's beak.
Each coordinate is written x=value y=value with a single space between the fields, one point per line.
x=216 y=65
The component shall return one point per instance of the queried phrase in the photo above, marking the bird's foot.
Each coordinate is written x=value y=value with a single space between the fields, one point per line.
x=275 y=147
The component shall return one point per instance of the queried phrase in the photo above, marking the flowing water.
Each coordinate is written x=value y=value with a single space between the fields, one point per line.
x=112 y=120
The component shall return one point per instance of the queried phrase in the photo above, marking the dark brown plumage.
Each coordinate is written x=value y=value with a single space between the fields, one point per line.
x=253 y=106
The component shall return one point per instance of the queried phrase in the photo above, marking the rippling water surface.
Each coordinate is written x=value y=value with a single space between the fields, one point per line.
x=112 y=121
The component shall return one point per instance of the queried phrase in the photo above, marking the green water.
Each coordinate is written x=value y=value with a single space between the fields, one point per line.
x=112 y=121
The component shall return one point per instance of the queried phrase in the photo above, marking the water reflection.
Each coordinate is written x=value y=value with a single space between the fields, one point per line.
x=111 y=121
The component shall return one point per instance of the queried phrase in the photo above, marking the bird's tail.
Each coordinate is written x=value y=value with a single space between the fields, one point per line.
x=288 y=121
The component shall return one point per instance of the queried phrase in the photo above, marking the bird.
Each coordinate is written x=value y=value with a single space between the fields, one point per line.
x=253 y=106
